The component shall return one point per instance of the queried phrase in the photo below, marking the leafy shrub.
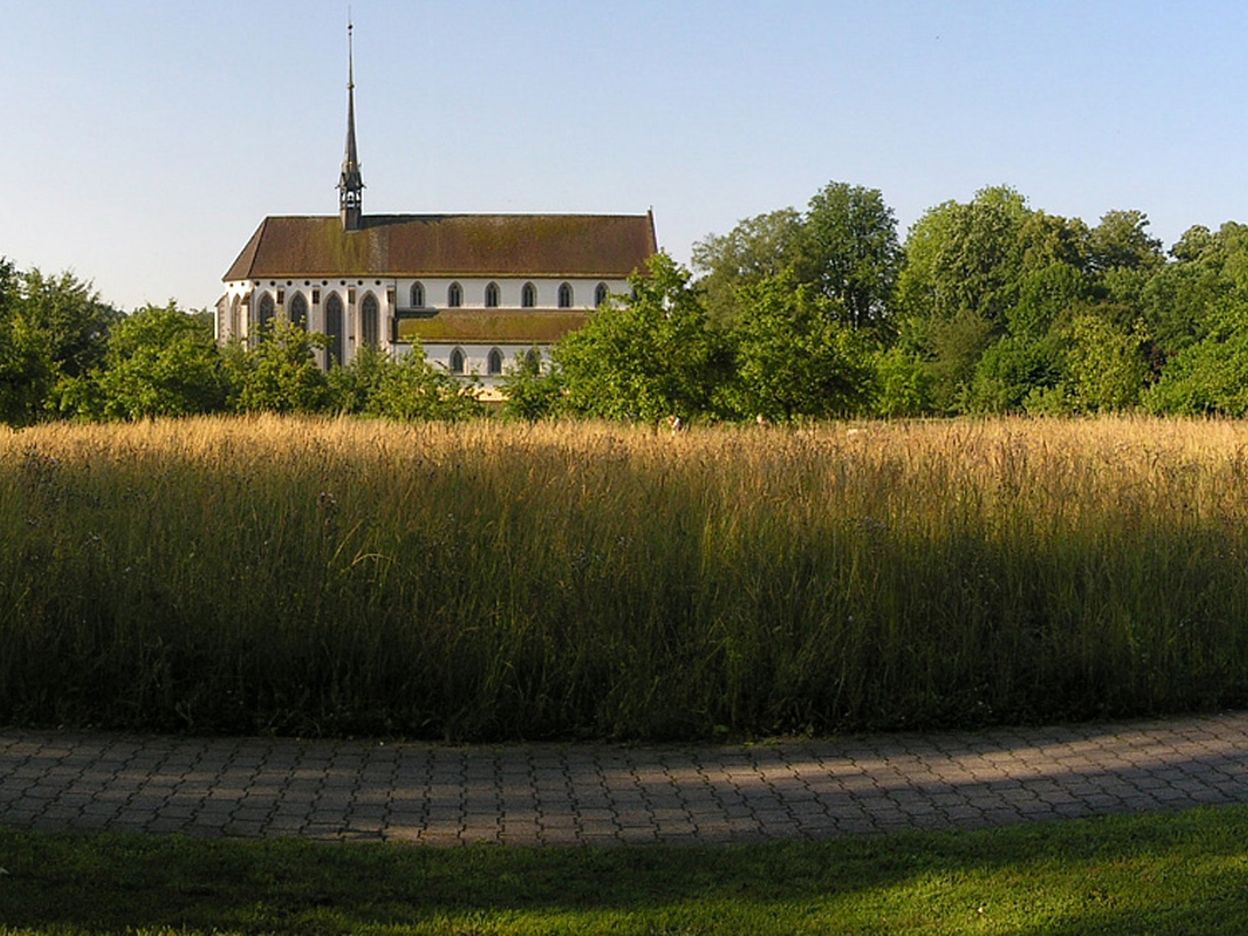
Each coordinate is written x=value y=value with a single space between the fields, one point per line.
x=410 y=389
x=532 y=392
x=280 y=374
x=160 y=362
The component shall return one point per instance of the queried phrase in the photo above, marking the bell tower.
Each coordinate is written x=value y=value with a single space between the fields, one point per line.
x=350 y=182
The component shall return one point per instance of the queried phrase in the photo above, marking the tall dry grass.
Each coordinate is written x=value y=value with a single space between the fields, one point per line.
x=493 y=581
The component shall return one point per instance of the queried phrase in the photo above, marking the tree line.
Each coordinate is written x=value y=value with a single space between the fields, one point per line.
x=64 y=353
x=988 y=306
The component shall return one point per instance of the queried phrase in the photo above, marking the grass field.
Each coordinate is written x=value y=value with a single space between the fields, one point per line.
x=1182 y=873
x=492 y=581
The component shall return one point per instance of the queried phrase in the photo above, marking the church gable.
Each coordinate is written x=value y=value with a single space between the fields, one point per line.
x=610 y=246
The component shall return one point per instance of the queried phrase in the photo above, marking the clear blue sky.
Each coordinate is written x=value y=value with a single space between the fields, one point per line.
x=144 y=141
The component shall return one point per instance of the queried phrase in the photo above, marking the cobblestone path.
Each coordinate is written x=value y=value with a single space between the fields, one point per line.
x=599 y=794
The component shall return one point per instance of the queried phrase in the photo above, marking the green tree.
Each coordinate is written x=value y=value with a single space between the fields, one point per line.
x=27 y=370
x=280 y=374
x=353 y=388
x=1181 y=301
x=951 y=348
x=1007 y=372
x=1053 y=275
x=848 y=251
x=532 y=392
x=997 y=279
x=1043 y=294
x=966 y=258
x=845 y=247
x=1048 y=239
x=1193 y=243
x=8 y=287
x=160 y=362
x=72 y=316
x=1106 y=365
x=412 y=389
x=756 y=248
x=52 y=330
x=1211 y=375
x=1122 y=240
x=794 y=356
x=902 y=384
x=645 y=359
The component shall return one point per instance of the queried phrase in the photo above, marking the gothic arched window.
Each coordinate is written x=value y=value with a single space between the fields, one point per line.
x=528 y=296
x=600 y=294
x=333 y=329
x=418 y=295
x=370 y=320
x=494 y=363
x=455 y=296
x=491 y=296
x=267 y=311
x=236 y=324
x=299 y=311
x=457 y=361
x=565 y=295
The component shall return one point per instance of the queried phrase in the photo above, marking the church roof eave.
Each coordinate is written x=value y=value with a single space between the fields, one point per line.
x=502 y=246
x=240 y=269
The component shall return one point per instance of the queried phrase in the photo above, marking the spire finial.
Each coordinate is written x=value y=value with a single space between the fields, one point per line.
x=350 y=182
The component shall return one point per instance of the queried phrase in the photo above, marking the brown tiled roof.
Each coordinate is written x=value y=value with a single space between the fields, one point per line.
x=523 y=326
x=448 y=245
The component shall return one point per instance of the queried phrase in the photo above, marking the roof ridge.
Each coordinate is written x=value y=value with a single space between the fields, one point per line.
x=465 y=214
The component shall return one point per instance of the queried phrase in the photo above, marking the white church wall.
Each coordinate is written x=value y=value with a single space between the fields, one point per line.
x=510 y=291
x=477 y=357
x=436 y=293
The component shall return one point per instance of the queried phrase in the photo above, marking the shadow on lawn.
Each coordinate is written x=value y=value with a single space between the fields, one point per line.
x=1180 y=873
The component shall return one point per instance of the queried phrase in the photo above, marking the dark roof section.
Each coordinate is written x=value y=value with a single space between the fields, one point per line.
x=448 y=245
x=519 y=326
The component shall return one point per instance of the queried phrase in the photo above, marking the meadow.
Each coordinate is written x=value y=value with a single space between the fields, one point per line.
x=499 y=581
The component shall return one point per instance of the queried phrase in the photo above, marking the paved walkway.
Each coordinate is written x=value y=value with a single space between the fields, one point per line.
x=574 y=794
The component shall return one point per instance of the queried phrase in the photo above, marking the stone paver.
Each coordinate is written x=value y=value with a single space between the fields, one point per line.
x=600 y=794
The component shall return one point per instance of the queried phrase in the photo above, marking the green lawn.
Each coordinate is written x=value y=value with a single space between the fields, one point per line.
x=1180 y=873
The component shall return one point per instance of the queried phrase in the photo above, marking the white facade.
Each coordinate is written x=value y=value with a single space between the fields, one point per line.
x=240 y=309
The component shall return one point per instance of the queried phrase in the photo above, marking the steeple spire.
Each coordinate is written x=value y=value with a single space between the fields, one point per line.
x=350 y=182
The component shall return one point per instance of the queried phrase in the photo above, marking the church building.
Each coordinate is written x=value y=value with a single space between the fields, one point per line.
x=476 y=291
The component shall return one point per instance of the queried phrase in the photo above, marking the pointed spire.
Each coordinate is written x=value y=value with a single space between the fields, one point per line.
x=350 y=182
